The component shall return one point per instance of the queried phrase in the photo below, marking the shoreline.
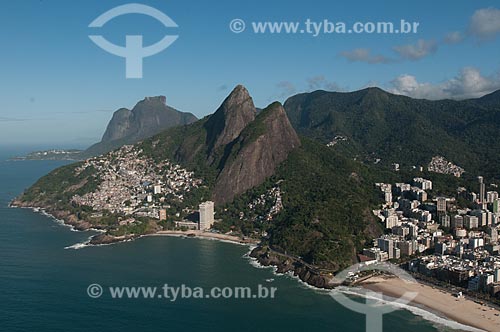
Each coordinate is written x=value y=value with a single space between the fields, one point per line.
x=102 y=238
x=434 y=300
x=430 y=299
x=284 y=263
x=207 y=235
x=72 y=226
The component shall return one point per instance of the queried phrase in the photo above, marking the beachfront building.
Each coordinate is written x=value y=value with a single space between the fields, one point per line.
x=206 y=215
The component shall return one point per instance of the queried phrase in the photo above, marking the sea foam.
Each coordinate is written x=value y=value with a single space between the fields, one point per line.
x=418 y=311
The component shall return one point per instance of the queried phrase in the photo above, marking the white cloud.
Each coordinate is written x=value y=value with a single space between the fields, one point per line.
x=321 y=83
x=417 y=51
x=409 y=86
x=286 y=89
x=485 y=23
x=469 y=83
x=364 y=55
x=454 y=37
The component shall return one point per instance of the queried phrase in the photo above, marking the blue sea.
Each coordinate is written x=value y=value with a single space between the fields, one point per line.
x=43 y=286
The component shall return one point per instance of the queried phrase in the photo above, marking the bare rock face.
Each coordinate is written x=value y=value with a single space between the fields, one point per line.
x=119 y=125
x=148 y=117
x=152 y=115
x=238 y=147
x=226 y=124
x=252 y=157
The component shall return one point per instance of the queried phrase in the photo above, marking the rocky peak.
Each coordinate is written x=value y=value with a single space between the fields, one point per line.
x=234 y=114
x=148 y=117
x=155 y=105
x=120 y=123
x=254 y=156
x=154 y=100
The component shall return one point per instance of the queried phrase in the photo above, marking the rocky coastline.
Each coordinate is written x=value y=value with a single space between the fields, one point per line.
x=104 y=238
x=71 y=220
x=64 y=216
x=288 y=264
x=263 y=254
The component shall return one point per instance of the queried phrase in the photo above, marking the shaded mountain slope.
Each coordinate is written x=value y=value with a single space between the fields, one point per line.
x=399 y=129
x=148 y=117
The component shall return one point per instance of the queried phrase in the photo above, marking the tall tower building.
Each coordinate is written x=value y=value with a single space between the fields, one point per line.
x=386 y=245
x=481 y=190
x=206 y=215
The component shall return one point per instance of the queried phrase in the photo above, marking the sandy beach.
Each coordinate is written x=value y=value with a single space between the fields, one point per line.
x=208 y=235
x=461 y=310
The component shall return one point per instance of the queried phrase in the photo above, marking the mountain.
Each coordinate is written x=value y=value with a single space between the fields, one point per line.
x=256 y=153
x=234 y=148
x=316 y=206
x=296 y=194
x=148 y=117
x=301 y=197
x=375 y=124
x=489 y=100
x=235 y=113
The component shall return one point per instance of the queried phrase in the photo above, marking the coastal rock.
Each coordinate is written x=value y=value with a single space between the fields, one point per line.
x=102 y=239
x=65 y=216
x=267 y=257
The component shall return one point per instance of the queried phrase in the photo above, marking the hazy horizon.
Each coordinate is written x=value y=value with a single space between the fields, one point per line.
x=61 y=88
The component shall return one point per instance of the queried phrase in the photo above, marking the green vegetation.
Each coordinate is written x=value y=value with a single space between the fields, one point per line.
x=58 y=187
x=328 y=200
x=328 y=193
x=399 y=129
x=142 y=226
x=185 y=145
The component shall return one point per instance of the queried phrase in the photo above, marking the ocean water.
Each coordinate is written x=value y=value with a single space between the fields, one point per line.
x=43 y=286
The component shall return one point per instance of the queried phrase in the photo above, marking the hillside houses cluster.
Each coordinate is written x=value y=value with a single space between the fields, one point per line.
x=134 y=184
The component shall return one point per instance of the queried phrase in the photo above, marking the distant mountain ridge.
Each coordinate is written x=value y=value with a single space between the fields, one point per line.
x=399 y=129
x=148 y=117
x=489 y=100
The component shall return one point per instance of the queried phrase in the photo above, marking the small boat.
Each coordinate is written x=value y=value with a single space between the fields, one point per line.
x=270 y=280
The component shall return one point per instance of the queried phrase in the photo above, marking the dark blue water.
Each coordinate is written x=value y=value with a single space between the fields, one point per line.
x=43 y=286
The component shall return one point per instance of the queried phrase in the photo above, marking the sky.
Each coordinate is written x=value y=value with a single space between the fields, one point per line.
x=59 y=89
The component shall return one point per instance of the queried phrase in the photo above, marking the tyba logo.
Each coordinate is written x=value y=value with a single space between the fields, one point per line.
x=133 y=52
